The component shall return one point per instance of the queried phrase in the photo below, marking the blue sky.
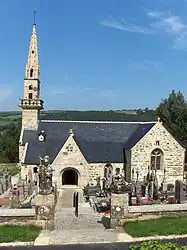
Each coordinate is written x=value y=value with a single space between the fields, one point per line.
x=95 y=54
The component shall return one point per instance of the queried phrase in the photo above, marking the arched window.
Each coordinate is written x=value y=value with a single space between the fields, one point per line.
x=30 y=87
x=31 y=72
x=157 y=159
x=30 y=95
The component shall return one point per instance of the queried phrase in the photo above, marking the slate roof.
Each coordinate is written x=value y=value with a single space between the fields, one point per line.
x=100 y=142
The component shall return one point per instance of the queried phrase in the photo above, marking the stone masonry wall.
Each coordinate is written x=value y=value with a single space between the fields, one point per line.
x=96 y=170
x=70 y=156
x=30 y=119
x=173 y=154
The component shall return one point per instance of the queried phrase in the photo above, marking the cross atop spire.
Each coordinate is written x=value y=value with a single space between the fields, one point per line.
x=34 y=23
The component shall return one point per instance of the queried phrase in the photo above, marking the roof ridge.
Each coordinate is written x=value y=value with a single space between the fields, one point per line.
x=65 y=121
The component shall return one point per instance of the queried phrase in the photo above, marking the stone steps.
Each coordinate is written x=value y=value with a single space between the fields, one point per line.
x=65 y=198
x=82 y=235
x=66 y=220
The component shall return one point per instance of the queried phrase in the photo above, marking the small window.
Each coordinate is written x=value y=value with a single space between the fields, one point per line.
x=117 y=171
x=32 y=51
x=30 y=87
x=35 y=170
x=31 y=72
x=105 y=172
x=30 y=95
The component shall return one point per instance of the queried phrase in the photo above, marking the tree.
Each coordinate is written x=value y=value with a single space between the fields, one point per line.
x=173 y=113
x=9 y=143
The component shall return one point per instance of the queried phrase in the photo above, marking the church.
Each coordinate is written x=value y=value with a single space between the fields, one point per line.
x=82 y=151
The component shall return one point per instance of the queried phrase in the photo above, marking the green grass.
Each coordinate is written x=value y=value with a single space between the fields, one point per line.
x=5 y=122
x=162 y=226
x=8 y=119
x=10 y=233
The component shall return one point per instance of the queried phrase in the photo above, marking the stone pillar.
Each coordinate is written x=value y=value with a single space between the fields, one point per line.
x=45 y=206
x=179 y=193
x=119 y=208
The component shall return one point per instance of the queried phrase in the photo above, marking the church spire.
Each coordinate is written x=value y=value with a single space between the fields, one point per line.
x=31 y=104
x=32 y=68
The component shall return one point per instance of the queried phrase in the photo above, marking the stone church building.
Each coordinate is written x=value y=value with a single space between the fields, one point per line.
x=81 y=151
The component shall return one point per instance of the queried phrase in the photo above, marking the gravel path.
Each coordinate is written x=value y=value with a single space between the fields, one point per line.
x=85 y=228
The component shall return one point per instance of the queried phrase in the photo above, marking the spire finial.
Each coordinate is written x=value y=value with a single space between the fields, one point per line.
x=34 y=17
x=158 y=119
x=71 y=132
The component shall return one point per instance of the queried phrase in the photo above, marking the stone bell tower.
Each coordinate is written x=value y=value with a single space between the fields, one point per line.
x=31 y=104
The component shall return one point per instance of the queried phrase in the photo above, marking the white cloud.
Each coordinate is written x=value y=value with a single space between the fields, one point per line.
x=165 y=23
x=124 y=26
x=146 y=65
x=173 y=26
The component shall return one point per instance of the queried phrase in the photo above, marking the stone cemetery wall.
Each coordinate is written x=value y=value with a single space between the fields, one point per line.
x=20 y=217
x=121 y=210
x=17 y=215
x=157 y=208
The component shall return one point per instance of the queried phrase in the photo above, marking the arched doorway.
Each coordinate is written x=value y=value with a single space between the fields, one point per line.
x=70 y=177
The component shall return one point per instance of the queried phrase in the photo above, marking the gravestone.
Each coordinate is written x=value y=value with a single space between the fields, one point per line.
x=7 y=179
x=179 y=193
x=1 y=188
x=119 y=208
x=15 y=197
x=164 y=186
x=21 y=188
